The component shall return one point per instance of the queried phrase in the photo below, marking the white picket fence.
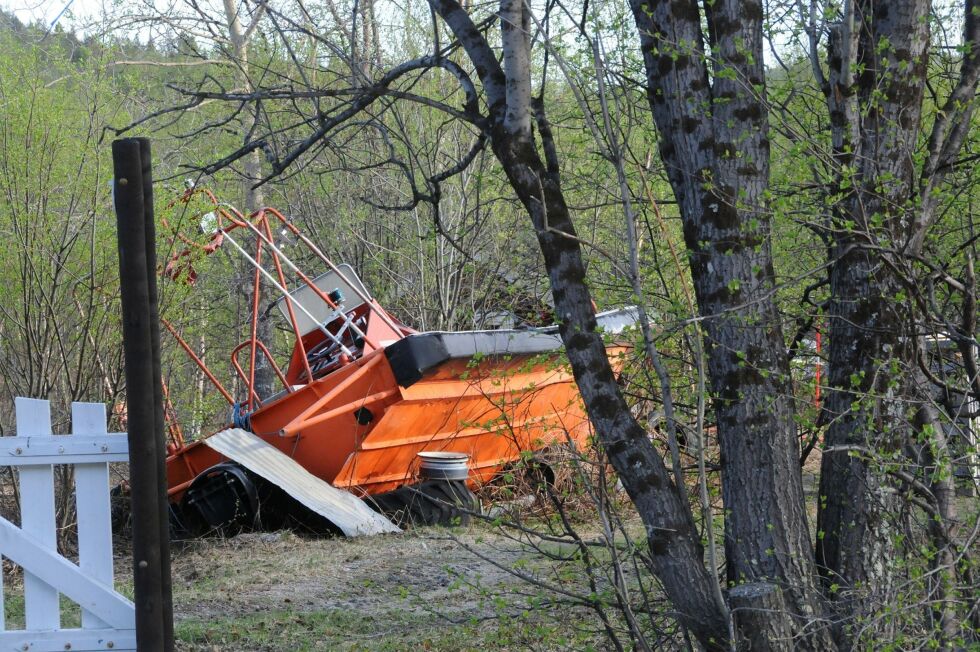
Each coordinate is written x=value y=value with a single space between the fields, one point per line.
x=108 y=618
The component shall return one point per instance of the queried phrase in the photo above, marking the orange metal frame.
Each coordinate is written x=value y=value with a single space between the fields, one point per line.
x=259 y=224
x=344 y=417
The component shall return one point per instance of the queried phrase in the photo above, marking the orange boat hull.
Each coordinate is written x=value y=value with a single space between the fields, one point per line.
x=367 y=431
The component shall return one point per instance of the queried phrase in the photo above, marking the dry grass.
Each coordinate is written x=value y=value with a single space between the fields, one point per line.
x=418 y=590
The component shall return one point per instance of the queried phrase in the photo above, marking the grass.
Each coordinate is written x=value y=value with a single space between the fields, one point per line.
x=354 y=631
x=415 y=591
x=13 y=610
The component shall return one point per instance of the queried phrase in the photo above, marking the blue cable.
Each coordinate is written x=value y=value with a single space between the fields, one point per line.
x=240 y=418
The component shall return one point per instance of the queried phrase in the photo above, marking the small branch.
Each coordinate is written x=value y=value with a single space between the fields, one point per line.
x=172 y=64
x=255 y=22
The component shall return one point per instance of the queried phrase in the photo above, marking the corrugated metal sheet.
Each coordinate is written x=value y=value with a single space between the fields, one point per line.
x=343 y=509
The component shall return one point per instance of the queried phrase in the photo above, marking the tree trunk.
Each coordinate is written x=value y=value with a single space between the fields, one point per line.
x=254 y=198
x=714 y=143
x=871 y=330
x=675 y=547
x=753 y=606
x=937 y=459
x=865 y=409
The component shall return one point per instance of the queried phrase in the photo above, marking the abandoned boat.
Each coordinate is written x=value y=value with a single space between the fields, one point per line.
x=371 y=417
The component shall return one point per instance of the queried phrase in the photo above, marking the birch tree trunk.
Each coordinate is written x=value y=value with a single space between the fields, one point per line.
x=253 y=195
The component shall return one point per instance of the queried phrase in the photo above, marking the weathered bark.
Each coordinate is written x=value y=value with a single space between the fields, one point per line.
x=752 y=607
x=714 y=143
x=938 y=465
x=870 y=331
x=865 y=409
x=254 y=197
x=874 y=378
x=950 y=128
x=675 y=548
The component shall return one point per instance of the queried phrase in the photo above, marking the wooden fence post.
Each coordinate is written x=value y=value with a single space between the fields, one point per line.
x=149 y=228
x=144 y=401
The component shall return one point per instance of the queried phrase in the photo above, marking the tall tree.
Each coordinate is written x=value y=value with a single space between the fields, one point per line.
x=711 y=115
x=675 y=548
x=239 y=37
x=890 y=168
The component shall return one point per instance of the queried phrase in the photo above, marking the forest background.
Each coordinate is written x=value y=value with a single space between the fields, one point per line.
x=386 y=168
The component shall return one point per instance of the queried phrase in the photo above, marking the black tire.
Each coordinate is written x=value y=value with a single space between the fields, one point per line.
x=223 y=500
x=433 y=502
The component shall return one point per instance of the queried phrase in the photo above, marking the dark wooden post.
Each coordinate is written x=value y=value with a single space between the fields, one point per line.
x=144 y=399
x=149 y=229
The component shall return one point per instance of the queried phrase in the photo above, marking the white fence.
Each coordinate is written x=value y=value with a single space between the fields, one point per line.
x=107 y=618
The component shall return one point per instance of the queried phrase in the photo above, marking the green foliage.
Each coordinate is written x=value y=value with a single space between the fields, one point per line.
x=57 y=283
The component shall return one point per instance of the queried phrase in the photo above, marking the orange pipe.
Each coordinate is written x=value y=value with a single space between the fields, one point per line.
x=330 y=395
x=170 y=416
x=293 y=428
x=289 y=305
x=178 y=488
x=200 y=363
x=253 y=397
x=268 y=356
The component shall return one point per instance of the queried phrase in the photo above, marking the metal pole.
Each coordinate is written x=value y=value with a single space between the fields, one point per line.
x=145 y=480
x=333 y=338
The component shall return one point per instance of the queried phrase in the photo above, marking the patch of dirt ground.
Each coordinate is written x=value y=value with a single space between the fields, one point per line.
x=423 y=589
